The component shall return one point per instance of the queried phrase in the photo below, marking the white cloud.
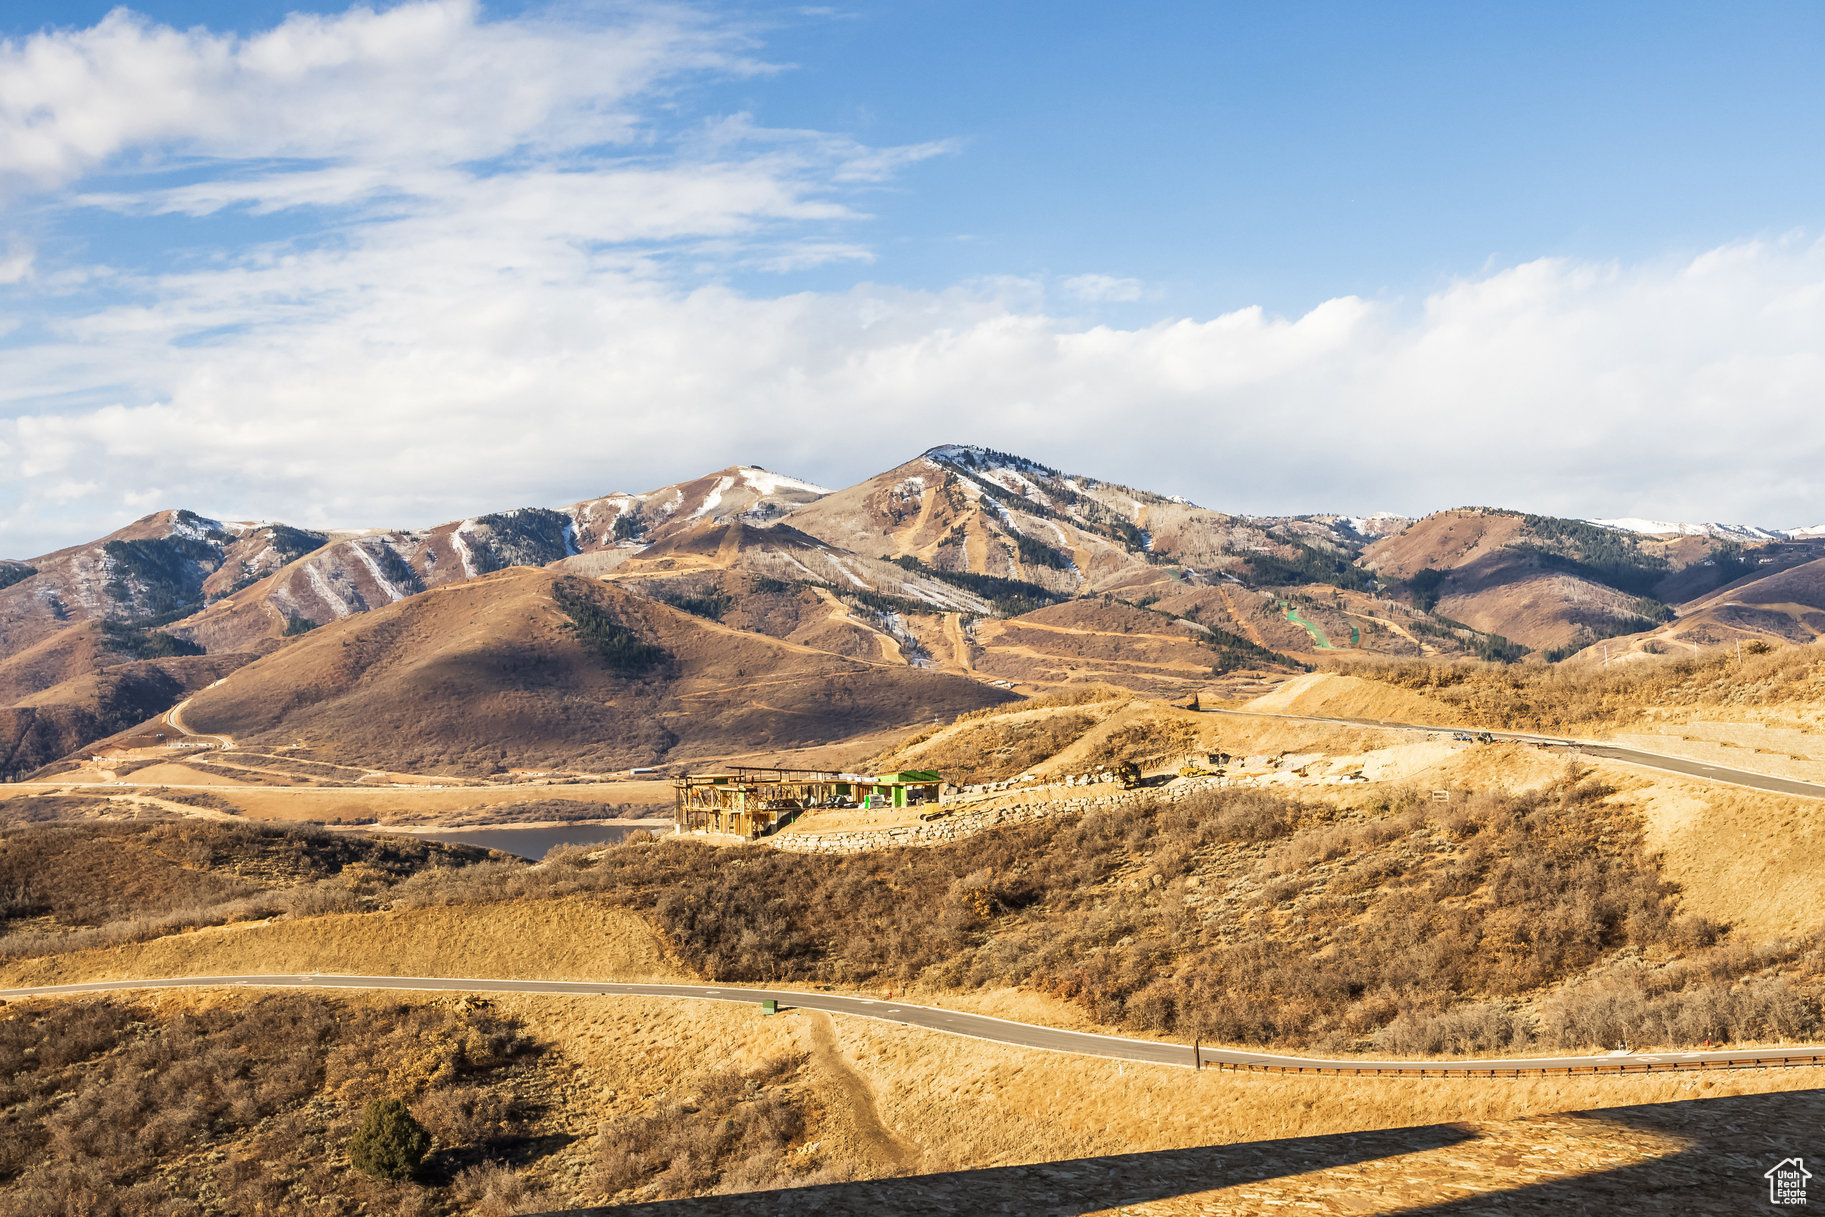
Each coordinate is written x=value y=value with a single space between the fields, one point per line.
x=403 y=387
x=557 y=324
x=15 y=264
x=420 y=83
x=1100 y=288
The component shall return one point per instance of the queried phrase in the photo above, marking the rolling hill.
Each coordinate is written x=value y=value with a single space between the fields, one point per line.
x=536 y=668
x=1559 y=586
x=964 y=563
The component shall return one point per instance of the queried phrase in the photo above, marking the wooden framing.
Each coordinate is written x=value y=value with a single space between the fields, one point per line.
x=751 y=802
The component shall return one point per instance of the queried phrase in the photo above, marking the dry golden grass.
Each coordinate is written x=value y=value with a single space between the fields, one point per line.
x=1753 y=860
x=388 y=806
x=982 y=1104
x=575 y=938
x=1787 y=681
x=943 y=1102
x=1335 y=695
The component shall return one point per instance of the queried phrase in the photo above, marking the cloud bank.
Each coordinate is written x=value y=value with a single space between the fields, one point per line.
x=498 y=273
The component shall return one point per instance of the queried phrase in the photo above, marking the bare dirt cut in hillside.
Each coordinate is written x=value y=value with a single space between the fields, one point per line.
x=1083 y=729
x=1117 y=643
x=1338 y=695
x=478 y=676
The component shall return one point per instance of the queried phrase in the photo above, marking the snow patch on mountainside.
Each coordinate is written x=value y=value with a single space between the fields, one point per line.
x=325 y=593
x=1377 y=524
x=849 y=574
x=373 y=568
x=194 y=528
x=766 y=482
x=461 y=547
x=713 y=498
x=1667 y=528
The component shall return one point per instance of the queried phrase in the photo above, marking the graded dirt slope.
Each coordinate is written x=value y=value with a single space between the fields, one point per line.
x=488 y=673
x=1333 y=695
x=1095 y=640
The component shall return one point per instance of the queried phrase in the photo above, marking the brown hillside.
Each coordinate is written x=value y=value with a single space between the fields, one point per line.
x=490 y=672
x=1444 y=540
x=987 y=513
x=1778 y=607
x=1788 y=606
x=1492 y=586
x=73 y=688
x=1096 y=640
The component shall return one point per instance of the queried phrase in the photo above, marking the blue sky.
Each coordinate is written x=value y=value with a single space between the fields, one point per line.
x=1560 y=256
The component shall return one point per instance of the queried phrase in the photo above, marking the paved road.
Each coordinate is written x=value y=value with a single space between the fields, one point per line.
x=1614 y=752
x=996 y=1030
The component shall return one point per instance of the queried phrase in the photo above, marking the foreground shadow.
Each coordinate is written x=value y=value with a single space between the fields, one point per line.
x=1698 y=1156
x=1063 y=1189
x=1730 y=1143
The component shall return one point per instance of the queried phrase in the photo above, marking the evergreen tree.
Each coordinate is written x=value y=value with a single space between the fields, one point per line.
x=390 y=1143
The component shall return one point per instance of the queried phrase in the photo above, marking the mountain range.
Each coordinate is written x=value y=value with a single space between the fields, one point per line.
x=744 y=610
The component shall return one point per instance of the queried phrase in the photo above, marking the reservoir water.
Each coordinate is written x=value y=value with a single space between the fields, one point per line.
x=535 y=843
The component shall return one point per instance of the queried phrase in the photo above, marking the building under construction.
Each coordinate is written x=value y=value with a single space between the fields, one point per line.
x=750 y=802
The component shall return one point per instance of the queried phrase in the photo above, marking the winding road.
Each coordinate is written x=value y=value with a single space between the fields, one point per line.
x=1633 y=756
x=175 y=716
x=994 y=1030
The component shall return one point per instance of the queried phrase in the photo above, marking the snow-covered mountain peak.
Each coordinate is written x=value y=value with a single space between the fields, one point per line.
x=1667 y=528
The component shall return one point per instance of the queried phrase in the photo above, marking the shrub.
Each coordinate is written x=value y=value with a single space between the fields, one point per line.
x=1034 y=552
x=390 y=1143
x=146 y=644
x=525 y=536
x=712 y=602
x=159 y=576
x=596 y=626
x=728 y=1127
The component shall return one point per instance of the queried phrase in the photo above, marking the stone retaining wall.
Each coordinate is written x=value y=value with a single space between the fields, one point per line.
x=960 y=824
